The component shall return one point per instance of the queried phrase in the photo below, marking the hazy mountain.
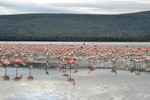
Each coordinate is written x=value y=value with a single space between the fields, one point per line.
x=75 y=27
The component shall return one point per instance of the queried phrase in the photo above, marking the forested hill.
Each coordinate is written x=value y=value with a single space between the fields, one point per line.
x=75 y=27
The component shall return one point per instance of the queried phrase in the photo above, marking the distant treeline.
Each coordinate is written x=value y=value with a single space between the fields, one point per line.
x=75 y=27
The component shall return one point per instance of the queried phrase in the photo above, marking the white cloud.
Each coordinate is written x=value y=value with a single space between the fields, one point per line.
x=6 y=11
x=73 y=6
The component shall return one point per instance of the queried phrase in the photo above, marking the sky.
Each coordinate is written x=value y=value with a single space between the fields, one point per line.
x=73 y=6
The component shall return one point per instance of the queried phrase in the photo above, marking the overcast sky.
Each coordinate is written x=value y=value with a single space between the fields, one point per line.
x=73 y=6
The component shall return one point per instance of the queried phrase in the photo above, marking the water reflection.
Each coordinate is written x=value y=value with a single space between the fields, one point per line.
x=36 y=97
x=100 y=84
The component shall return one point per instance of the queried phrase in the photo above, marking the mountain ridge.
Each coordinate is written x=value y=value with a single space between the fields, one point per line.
x=75 y=27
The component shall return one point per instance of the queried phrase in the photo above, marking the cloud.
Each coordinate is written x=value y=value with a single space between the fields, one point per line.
x=73 y=6
x=4 y=10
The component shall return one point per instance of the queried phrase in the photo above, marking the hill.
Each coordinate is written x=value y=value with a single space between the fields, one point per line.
x=75 y=27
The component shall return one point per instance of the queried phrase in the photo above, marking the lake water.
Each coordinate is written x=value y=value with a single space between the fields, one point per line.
x=99 y=85
x=130 y=44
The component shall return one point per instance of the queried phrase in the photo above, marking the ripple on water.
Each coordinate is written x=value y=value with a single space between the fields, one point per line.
x=37 y=97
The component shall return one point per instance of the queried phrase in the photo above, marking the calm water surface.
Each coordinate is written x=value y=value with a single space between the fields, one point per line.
x=99 y=85
x=130 y=44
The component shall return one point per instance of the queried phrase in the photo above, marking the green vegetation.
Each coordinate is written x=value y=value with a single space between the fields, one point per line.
x=75 y=27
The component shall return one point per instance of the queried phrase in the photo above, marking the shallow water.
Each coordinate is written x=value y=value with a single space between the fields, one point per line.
x=130 y=44
x=99 y=85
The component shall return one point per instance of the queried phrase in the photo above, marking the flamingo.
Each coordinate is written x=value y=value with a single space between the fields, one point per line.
x=70 y=62
x=91 y=67
x=5 y=62
x=30 y=61
x=65 y=57
x=47 y=64
x=17 y=62
x=114 y=69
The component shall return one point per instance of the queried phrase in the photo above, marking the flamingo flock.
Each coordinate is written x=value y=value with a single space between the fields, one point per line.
x=68 y=59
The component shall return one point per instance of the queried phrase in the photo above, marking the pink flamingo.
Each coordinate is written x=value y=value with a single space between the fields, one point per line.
x=91 y=67
x=30 y=61
x=70 y=79
x=17 y=62
x=5 y=62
